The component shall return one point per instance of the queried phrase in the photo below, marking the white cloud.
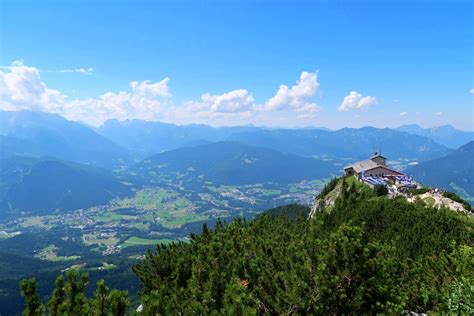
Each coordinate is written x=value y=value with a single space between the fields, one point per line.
x=298 y=98
x=355 y=101
x=439 y=113
x=86 y=71
x=230 y=108
x=140 y=102
x=21 y=88
x=150 y=89
x=471 y=91
x=231 y=102
x=403 y=113
x=239 y=107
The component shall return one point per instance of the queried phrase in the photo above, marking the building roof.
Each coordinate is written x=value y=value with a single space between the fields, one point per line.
x=363 y=165
x=367 y=165
x=378 y=155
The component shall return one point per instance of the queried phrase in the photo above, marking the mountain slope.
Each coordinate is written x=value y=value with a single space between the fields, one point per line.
x=42 y=134
x=44 y=186
x=148 y=138
x=234 y=163
x=446 y=135
x=366 y=257
x=346 y=142
x=453 y=172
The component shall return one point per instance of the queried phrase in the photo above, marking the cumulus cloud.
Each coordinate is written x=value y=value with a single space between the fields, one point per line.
x=403 y=113
x=86 y=71
x=471 y=91
x=233 y=107
x=21 y=88
x=150 y=89
x=235 y=101
x=239 y=107
x=297 y=98
x=141 y=101
x=355 y=101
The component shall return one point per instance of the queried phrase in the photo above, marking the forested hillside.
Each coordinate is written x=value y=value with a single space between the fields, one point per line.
x=454 y=171
x=233 y=163
x=368 y=255
x=45 y=186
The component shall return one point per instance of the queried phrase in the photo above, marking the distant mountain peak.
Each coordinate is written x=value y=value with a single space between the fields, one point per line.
x=446 y=134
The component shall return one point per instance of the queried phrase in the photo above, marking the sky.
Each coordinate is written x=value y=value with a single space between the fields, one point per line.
x=269 y=63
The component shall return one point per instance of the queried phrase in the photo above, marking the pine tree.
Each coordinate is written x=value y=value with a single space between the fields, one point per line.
x=118 y=302
x=33 y=303
x=99 y=304
x=76 y=302
x=57 y=299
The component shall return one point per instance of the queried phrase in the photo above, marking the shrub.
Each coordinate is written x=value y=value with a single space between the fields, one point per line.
x=418 y=191
x=380 y=190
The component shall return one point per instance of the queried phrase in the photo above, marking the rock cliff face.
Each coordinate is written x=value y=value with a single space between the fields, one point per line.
x=325 y=202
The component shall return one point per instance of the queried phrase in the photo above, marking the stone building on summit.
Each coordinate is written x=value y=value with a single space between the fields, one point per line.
x=376 y=166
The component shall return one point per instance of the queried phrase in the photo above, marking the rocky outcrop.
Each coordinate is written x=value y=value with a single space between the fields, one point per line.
x=437 y=200
x=325 y=202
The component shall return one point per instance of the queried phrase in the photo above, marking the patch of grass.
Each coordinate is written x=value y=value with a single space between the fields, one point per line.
x=177 y=218
x=5 y=235
x=359 y=185
x=108 y=217
x=49 y=253
x=430 y=201
x=141 y=226
x=105 y=266
x=150 y=198
x=34 y=221
x=134 y=241
x=91 y=239
x=270 y=192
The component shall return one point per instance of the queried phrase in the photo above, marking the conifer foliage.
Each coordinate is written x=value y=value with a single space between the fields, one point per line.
x=68 y=298
x=368 y=255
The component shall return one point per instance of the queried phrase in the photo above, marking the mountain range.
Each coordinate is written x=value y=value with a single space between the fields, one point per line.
x=39 y=134
x=122 y=143
x=454 y=171
x=346 y=142
x=49 y=162
x=234 y=163
x=446 y=135
x=42 y=186
x=148 y=138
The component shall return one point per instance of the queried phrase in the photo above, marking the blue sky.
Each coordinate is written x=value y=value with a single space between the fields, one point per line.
x=405 y=61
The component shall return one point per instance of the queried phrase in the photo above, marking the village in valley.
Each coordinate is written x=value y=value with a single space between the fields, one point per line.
x=156 y=215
